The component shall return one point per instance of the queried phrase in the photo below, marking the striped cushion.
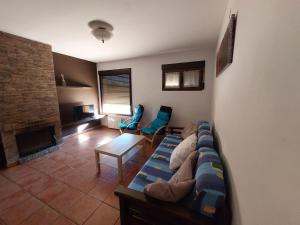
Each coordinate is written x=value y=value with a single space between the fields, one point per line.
x=203 y=125
x=205 y=140
x=157 y=166
x=209 y=191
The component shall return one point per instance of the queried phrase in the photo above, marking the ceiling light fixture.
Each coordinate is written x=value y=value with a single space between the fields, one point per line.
x=101 y=30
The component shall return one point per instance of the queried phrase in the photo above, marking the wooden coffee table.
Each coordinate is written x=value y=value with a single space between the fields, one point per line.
x=118 y=147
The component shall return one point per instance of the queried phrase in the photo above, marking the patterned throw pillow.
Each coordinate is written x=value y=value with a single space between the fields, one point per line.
x=209 y=191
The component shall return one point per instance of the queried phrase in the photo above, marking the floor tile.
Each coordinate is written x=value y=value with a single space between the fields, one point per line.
x=60 y=173
x=102 y=190
x=16 y=172
x=106 y=214
x=63 y=221
x=52 y=192
x=80 y=182
x=47 y=166
x=112 y=200
x=40 y=185
x=66 y=199
x=109 y=173
x=89 y=169
x=44 y=216
x=59 y=156
x=23 y=175
x=14 y=199
x=118 y=222
x=8 y=189
x=75 y=163
x=62 y=188
x=18 y=213
x=82 y=209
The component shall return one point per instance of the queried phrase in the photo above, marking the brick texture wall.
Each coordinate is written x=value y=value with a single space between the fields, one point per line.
x=28 y=94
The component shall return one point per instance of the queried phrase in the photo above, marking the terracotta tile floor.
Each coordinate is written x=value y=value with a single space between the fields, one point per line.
x=62 y=188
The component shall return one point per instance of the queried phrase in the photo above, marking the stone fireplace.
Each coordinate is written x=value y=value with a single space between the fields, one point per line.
x=28 y=98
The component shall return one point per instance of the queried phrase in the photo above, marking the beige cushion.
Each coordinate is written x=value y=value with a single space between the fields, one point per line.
x=185 y=172
x=178 y=186
x=189 y=129
x=182 y=151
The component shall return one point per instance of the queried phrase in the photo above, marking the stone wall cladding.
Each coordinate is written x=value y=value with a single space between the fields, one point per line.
x=28 y=94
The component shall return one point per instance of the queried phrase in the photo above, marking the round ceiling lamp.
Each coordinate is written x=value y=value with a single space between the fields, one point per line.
x=101 y=30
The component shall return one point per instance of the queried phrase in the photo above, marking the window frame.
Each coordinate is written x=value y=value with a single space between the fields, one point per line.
x=105 y=73
x=181 y=68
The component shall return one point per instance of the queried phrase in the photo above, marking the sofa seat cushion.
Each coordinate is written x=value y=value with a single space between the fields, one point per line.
x=157 y=166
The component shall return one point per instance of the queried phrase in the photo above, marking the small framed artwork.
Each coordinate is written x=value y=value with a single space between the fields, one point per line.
x=225 y=52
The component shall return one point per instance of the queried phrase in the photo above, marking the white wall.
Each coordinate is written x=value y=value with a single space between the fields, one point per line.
x=256 y=112
x=147 y=86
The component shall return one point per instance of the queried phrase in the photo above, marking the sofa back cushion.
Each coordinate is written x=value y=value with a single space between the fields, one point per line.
x=208 y=194
x=204 y=139
x=203 y=125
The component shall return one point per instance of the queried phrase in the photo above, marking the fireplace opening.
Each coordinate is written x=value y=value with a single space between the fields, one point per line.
x=35 y=140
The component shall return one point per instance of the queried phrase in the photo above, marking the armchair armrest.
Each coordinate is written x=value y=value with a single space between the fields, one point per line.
x=137 y=208
x=132 y=124
x=158 y=130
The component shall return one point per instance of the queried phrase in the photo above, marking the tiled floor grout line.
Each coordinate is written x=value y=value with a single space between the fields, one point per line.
x=35 y=197
x=57 y=179
x=89 y=216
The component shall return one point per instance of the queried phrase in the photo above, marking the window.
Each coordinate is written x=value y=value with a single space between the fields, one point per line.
x=183 y=76
x=115 y=86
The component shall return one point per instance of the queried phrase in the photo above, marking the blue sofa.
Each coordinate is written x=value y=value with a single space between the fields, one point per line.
x=205 y=204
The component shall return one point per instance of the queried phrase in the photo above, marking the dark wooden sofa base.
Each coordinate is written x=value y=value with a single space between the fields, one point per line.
x=137 y=209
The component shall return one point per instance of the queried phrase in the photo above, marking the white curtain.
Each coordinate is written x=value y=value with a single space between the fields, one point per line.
x=172 y=79
x=191 y=78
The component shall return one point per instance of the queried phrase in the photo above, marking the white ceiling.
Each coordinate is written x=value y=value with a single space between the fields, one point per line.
x=141 y=27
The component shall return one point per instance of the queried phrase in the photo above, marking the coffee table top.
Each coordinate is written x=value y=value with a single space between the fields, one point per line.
x=120 y=145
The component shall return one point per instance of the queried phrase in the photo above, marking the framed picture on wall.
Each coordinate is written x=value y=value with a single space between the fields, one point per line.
x=225 y=52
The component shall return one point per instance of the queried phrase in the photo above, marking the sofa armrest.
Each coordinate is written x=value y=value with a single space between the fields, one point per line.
x=137 y=208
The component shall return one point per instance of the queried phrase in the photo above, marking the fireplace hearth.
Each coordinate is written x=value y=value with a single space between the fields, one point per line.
x=33 y=140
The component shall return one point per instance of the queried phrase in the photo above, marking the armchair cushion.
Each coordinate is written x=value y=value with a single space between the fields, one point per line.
x=132 y=124
x=124 y=125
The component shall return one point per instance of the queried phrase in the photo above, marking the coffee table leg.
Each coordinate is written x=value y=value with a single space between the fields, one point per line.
x=120 y=170
x=97 y=157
